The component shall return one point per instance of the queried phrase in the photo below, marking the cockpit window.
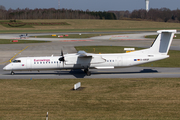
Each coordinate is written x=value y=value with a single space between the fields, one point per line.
x=16 y=61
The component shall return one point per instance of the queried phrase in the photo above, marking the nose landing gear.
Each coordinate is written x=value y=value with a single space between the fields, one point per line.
x=12 y=73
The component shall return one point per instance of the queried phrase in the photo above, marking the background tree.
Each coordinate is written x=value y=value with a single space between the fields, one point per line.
x=160 y=15
x=2 y=12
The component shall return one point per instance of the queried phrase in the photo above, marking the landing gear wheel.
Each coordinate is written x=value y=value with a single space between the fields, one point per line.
x=12 y=73
x=85 y=70
x=88 y=73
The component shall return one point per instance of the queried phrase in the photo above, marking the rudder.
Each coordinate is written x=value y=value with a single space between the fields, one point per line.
x=162 y=42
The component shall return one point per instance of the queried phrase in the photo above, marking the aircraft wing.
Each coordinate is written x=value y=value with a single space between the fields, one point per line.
x=90 y=58
x=83 y=54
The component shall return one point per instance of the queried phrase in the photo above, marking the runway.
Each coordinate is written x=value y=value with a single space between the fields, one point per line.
x=131 y=72
x=7 y=51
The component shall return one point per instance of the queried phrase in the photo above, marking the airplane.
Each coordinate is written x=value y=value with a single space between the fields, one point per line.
x=25 y=36
x=82 y=60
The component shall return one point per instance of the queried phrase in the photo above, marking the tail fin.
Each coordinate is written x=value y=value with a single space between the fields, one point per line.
x=162 y=42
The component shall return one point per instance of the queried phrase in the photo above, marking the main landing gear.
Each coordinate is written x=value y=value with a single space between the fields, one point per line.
x=88 y=73
x=12 y=73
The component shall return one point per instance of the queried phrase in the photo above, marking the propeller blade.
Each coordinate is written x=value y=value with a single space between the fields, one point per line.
x=62 y=53
x=62 y=58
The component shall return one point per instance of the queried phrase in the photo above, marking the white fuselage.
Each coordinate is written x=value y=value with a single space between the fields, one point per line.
x=83 y=60
x=72 y=61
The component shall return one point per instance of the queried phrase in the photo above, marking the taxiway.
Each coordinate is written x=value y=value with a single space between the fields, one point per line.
x=7 y=52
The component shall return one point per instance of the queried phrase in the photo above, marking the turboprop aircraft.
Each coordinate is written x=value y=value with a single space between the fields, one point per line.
x=86 y=61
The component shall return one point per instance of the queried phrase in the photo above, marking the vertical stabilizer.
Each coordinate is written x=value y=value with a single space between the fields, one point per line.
x=163 y=41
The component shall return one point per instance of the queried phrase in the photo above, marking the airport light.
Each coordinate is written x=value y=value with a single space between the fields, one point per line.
x=147 y=5
x=58 y=4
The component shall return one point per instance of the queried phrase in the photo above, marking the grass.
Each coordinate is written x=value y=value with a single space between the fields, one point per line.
x=154 y=36
x=172 y=61
x=101 y=99
x=7 y=41
x=86 y=25
x=103 y=49
x=71 y=36
x=20 y=24
x=17 y=25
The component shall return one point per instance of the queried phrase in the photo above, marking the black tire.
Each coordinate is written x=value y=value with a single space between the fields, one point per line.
x=88 y=73
x=12 y=73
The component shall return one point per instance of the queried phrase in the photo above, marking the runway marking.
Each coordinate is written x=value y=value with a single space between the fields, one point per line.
x=116 y=36
x=74 y=40
x=17 y=54
x=4 y=62
x=132 y=39
x=20 y=38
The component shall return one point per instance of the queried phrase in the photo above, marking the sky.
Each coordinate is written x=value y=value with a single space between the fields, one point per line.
x=92 y=5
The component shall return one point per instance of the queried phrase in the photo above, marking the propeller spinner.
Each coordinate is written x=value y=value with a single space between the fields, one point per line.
x=62 y=58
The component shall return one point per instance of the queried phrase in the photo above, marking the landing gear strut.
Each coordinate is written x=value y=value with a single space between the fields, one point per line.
x=88 y=73
x=12 y=73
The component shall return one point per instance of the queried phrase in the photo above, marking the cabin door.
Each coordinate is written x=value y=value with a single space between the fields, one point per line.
x=28 y=63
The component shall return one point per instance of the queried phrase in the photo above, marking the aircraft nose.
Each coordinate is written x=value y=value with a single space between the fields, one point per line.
x=5 y=68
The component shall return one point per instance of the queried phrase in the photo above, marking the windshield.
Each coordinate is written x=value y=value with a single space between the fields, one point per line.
x=16 y=61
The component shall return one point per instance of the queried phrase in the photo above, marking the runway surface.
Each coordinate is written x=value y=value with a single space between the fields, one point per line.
x=131 y=72
x=7 y=51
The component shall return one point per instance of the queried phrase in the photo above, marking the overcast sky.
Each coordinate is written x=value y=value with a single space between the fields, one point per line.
x=92 y=5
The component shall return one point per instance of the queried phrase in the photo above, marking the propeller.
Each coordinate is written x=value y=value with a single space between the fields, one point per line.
x=62 y=58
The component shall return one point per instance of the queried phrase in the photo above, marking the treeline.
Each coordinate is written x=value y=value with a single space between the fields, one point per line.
x=159 y=15
x=52 y=13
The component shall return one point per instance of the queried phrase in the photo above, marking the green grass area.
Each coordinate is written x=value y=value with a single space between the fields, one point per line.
x=7 y=41
x=72 y=35
x=103 y=49
x=17 y=24
x=100 y=99
x=172 y=61
x=46 y=30
x=154 y=36
x=20 y=24
x=89 y=25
